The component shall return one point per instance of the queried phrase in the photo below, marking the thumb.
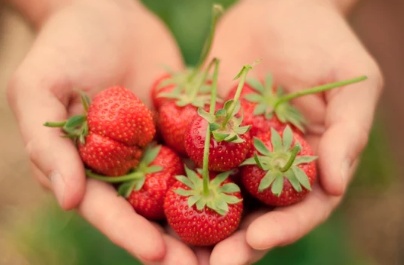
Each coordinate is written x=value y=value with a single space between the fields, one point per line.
x=34 y=103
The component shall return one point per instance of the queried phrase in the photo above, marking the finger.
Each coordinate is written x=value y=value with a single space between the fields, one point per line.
x=348 y=121
x=203 y=255
x=286 y=225
x=40 y=177
x=33 y=103
x=176 y=253
x=245 y=254
x=114 y=217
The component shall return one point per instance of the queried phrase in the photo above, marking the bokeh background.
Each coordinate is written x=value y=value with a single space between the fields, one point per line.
x=367 y=228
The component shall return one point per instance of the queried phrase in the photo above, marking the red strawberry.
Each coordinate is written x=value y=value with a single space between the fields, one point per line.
x=108 y=157
x=149 y=199
x=146 y=186
x=223 y=156
x=118 y=114
x=197 y=224
x=230 y=143
x=284 y=172
x=174 y=124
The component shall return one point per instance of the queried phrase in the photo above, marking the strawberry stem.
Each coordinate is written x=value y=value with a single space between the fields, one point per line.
x=124 y=178
x=55 y=124
x=243 y=75
x=205 y=75
x=318 y=89
x=295 y=150
x=205 y=170
x=217 y=11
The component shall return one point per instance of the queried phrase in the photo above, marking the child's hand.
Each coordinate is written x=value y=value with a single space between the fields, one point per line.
x=90 y=45
x=303 y=43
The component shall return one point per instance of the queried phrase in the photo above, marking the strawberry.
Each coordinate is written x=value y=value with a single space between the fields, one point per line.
x=230 y=143
x=118 y=114
x=268 y=107
x=146 y=186
x=112 y=133
x=204 y=208
x=284 y=172
x=108 y=157
x=162 y=85
x=197 y=224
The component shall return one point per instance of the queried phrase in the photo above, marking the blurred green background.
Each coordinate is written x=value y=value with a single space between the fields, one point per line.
x=367 y=220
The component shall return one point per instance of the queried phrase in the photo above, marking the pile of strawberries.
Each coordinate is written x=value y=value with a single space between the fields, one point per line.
x=181 y=163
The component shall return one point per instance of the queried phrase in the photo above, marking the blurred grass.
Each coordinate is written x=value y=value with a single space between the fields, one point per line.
x=56 y=237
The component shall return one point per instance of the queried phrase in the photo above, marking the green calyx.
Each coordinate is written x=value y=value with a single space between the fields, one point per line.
x=224 y=125
x=270 y=102
x=280 y=163
x=75 y=127
x=218 y=198
x=135 y=179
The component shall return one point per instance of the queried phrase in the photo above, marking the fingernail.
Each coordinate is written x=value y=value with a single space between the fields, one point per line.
x=58 y=185
x=345 y=168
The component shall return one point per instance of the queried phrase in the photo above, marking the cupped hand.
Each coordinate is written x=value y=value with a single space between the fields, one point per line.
x=303 y=44
x=90 y=45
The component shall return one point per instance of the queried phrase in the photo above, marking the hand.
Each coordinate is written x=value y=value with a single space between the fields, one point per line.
x=303 y=44
x=90 y=45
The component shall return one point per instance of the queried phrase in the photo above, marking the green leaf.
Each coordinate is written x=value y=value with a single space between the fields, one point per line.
x=220 y=178
x=154 y=169
x=234 y=138
x=260 y=109
x=268 y=83
x=279 y=91
x=205 y=88
x=150 y=154
x=258 y=161
x=168 y=95
x=214 y=126
x=229 y=188
x=75 y=121
x=165 y=82
x=139 y=183
x=221 y=205
x=253 y=97
x=245 y=67
x=185 y=181
x=219 y=136
x=192 y=176
x=242 y=130
x=248 y=162
x=85 y=100
x=287 y=138
x=290 y=175
x=266 y=181
x=183 y=103
x=227 y=104
x=301 y=177
x=261 y=147
x=237 y=108
x=193 y=199
x=183 y=192
x=304 y=159
x=269 y=115
x=277 y=186
x=206 y=115
x=200 y=205
x=126 y=188
x=276 y=140
x=221 y=112
x=231 y=199
x=81 y=139
x=255 y=84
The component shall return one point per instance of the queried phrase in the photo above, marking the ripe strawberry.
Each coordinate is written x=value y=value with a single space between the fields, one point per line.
x=112 y=132
x=268 y=107
x=162 y=85
x=146 y=186
x=230 y=143
x=108 y=157
x=118 y=114
x=276 y=177
x=223 y=156
x=198 y=224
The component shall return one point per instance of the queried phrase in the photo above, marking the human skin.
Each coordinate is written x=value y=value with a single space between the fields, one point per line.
x=91 y=44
